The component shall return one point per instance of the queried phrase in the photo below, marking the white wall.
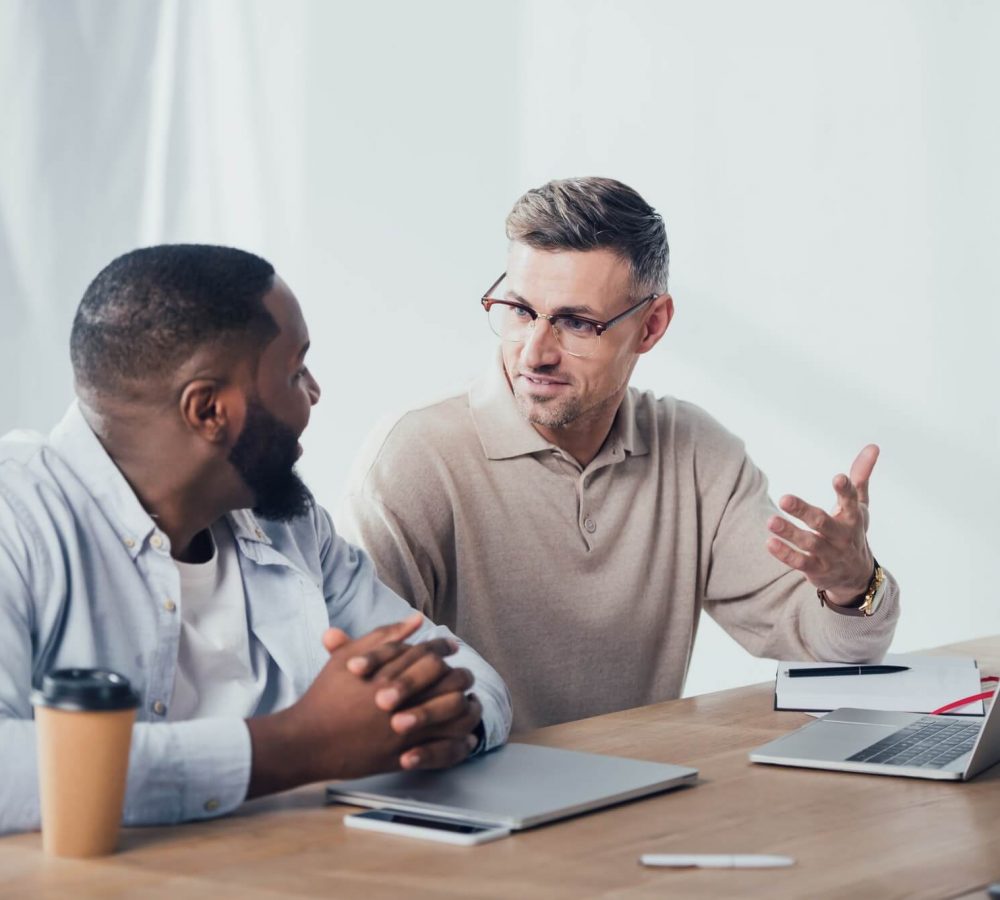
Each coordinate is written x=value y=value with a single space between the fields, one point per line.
x=827 y=172
x=828 y=175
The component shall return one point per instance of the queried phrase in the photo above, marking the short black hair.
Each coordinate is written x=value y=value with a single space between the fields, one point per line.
x=150 y=309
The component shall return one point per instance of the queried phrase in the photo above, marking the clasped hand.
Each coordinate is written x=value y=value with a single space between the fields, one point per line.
x=833 y=552
x=378 y=704
x=423 y=695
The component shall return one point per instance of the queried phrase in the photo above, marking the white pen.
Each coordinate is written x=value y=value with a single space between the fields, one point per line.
x=715 y=860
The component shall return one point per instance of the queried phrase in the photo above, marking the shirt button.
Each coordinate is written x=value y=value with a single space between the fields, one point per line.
x=128 y=542
x=160 y=708
x=169 y=605
x=156 y=541
x=590 y=524
x=211 y=805
x=259 y=533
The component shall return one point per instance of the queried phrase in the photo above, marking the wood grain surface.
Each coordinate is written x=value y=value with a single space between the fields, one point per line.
x=852 y=835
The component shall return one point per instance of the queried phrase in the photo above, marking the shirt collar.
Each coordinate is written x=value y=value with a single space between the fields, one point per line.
x=79 y=448
x=505 y=433
x=246 y=527
x=626 y=426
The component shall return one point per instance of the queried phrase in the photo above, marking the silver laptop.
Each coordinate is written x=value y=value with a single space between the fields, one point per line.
x=891 y=743
x=517 y=786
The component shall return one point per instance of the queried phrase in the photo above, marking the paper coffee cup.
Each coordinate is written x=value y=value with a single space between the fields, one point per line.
x=84 y=721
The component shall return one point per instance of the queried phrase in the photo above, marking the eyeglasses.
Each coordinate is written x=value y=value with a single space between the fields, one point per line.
x=577 y=335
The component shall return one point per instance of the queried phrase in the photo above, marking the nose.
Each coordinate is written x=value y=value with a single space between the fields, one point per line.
x=541 y=347
x=314 y=391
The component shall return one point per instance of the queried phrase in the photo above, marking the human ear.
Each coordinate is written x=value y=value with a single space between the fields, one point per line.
x=661 y=313
x=211 y=410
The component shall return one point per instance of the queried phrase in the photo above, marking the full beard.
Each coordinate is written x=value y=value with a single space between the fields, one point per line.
x=264 y=455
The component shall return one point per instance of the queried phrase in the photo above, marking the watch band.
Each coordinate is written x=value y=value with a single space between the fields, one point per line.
x=870 y=601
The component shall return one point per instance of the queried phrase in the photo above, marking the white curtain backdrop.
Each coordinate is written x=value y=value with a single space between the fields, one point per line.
x=827 y=172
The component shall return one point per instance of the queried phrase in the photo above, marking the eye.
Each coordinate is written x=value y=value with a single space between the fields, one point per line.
x=301 y=373
x=520 y=313
x=575 y=326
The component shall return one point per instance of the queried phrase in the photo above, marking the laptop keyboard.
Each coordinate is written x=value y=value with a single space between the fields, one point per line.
x=929 y=743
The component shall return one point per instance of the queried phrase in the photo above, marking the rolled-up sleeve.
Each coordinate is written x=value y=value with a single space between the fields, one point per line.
x=177 y=771
x=19 y=809
x=187 y=770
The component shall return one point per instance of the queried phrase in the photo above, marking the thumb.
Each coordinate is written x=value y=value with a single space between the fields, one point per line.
x=334 y=639
x=861 y=470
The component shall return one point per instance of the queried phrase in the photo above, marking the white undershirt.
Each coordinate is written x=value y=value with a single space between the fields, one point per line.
x=216 y=675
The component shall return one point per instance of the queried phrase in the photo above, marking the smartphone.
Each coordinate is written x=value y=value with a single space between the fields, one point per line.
x=430 y=828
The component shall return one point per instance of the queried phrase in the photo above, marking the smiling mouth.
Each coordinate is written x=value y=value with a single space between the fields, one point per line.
x=540 y=388
x=542 y=380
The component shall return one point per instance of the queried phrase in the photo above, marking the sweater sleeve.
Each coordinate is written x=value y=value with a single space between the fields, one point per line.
x=399 y=559
x=771 y=610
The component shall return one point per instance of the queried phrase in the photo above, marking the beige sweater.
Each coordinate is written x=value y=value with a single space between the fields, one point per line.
x=583 y=586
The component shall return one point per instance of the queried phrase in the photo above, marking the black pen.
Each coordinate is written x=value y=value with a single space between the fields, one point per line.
x=845 y=670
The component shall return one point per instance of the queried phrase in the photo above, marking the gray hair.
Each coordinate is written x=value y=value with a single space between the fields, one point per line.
x=594 y=213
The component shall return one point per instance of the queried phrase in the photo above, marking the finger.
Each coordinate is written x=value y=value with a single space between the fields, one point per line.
x=372 y=661
x=861 y=470
x=423 y=673
x=439 y=754
x=451 y=708
x=334 y=639
x=390 y=659
x=847 y=498
x=459 y=679
x=439 y=647
x=397 y=631
x=791 y=557
x=813 y=516
x=808 y=541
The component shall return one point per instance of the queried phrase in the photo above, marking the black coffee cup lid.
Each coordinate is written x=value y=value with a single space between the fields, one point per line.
x=85 y=690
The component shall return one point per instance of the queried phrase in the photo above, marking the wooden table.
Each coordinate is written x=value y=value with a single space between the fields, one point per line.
x=852 y=835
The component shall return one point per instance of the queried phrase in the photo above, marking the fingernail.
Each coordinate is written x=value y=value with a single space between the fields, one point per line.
x=387 y=697
x=410 y=760
x=453 y=645
x=471 y=740
x=357 y=664
x=404 y=720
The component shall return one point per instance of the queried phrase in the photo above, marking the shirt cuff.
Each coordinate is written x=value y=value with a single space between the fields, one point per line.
x=181 y=771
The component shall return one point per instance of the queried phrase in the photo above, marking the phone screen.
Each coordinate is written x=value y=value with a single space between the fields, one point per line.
x=388 y=815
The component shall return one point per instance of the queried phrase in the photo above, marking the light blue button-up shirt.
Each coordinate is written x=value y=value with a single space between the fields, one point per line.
x=86 y=579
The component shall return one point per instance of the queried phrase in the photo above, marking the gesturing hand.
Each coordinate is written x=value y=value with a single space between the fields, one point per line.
x=833 y=552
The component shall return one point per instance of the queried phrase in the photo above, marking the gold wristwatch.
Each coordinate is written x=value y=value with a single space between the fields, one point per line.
x=871 y=601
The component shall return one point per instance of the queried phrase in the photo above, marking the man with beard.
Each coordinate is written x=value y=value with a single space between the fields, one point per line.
x=265 y=651
x=572 y=527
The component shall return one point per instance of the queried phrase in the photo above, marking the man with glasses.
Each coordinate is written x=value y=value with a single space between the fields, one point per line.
x=573 y=528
